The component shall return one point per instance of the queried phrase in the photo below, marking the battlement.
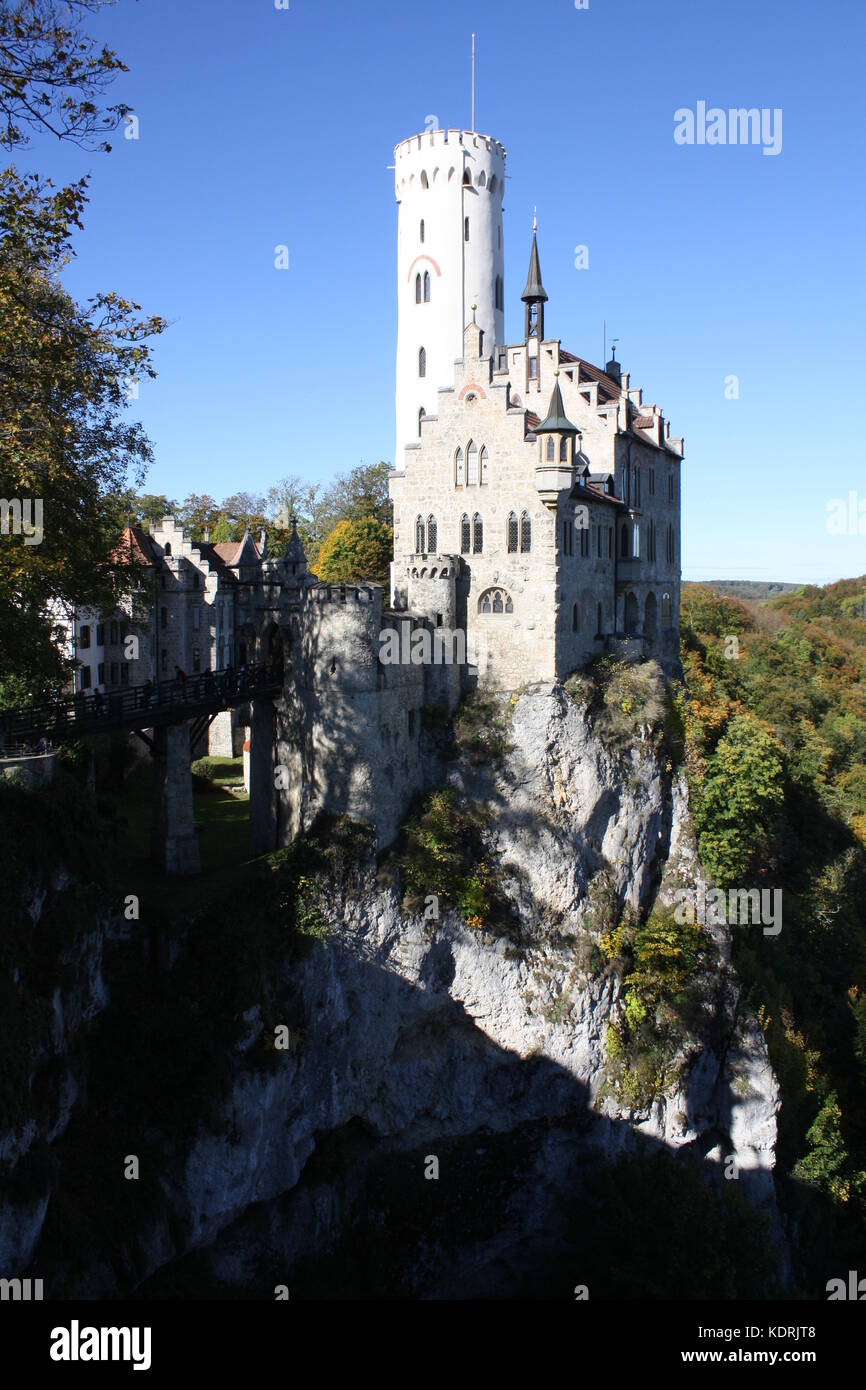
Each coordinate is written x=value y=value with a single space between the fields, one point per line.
x=343 y=593
x=433 y=566
x=439 y=139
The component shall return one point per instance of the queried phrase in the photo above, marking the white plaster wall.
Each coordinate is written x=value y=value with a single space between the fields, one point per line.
x=461 y=272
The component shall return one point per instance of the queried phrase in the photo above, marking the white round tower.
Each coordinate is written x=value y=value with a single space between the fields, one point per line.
x=450 y=255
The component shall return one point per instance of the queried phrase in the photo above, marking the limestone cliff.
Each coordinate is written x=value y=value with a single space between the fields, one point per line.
x=417 y=1039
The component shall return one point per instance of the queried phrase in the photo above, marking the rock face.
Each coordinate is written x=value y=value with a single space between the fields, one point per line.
x=430 y=1042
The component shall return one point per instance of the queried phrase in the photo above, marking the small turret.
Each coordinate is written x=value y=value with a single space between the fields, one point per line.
x=613 y=368
x=556 y=441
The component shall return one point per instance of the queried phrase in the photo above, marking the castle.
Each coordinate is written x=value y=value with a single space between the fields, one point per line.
x=536 y=516
x=546 y=485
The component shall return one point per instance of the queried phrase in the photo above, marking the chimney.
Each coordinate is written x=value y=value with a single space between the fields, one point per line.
x=207 y=535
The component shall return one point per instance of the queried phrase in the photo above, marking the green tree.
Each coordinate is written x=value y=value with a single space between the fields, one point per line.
x=360 y=493
x=739 y=799
x=357 y=550
x=66 y=443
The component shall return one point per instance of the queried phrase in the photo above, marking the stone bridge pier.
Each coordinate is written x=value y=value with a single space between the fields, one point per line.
x=174 y=844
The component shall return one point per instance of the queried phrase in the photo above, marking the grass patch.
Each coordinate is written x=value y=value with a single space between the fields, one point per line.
x=665 y=966
x=440 y=853
x=619 y=698
x=481 y=729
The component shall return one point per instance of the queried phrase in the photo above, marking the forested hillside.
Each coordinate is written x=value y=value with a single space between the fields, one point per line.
x=775 y=747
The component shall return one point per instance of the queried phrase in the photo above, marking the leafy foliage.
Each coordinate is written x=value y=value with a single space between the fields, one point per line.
x=620 y=698
x=52 y=74
x=775 y=752
x=357 y=550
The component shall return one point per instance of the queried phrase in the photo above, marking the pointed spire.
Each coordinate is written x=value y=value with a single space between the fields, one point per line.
x=294 y=550
x=535 y=291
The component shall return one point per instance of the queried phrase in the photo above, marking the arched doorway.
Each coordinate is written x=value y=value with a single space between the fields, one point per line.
x=650 y=616
x=275 y=651
x=247 y=645
x=632 y=615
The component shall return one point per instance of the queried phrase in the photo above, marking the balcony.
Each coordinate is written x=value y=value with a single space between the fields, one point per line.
x=553 y=478
x=628 y=570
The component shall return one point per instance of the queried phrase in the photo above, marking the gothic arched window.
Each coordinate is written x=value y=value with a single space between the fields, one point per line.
x=422 y=362
x=563 y=450
x=477 y=534
x=525 y=533
x=422 y=230
x=495 y=601
x=484 y=462
x=551 y=449
x=419 y=536
x=472 y=463
x=431 y=535
x=465 y=535
x=426 y=286
x=418 y=288
x=623 y=542
x=575 y=618
x=467 y=178
x=460 y=473
x=421 y=416
x=511 y=534
x=666 y=611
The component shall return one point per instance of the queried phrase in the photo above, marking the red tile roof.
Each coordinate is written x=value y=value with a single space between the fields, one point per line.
x=608 y=389
x=134 y=545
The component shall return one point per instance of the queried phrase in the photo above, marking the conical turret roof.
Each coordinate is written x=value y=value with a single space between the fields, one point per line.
x=557 y=422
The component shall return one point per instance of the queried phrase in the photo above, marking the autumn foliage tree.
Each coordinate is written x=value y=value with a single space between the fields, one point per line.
x=357 y=550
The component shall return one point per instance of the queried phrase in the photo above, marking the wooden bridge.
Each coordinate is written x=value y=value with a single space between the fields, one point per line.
x=195 y=700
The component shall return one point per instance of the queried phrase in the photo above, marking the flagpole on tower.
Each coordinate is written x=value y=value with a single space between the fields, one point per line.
x=473 y=82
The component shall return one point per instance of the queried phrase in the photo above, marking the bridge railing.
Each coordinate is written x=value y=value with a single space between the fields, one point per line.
x=134 y=706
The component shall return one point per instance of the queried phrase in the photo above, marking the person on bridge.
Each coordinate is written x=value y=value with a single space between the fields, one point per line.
x=147 y=693
x=181 y=678
x=98 y=703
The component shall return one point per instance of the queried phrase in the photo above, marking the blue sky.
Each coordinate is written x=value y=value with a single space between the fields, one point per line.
x=261 y=127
